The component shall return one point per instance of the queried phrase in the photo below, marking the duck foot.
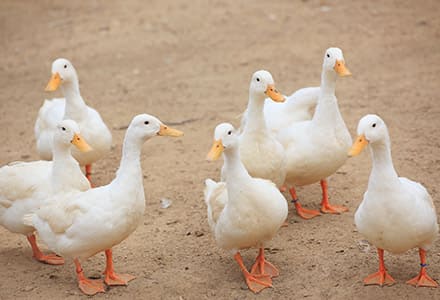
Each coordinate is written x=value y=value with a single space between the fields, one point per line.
x=380 y=278
x=88 y=286
x=50 y=259
x=326 y=207
x=263 y=267
x=423 y=278
x=111 y=278
x=256 y=283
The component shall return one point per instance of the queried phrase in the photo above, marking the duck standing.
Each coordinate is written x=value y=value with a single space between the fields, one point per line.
x=79 y=225
x=244 y=211
x=316 y=148
x=24 y=186
x=396 y=214
x=72 y=107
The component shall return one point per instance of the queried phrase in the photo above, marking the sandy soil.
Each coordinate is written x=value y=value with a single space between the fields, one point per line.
x=189 y=63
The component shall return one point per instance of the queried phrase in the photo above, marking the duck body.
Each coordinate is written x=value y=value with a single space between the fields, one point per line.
x=93 y=130
x=298 y=107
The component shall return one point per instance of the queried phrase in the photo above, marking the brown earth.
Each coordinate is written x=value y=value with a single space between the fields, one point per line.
x=189 y=63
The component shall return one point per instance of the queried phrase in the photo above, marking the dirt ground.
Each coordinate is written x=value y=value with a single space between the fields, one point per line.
x=189 y=63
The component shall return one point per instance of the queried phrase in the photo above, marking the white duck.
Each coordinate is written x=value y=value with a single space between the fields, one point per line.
x=24 y=186
x=315 y=149
x=71 y=107
x=79 y=225
x=244 y=212
x=261 y=153
x=396 y=214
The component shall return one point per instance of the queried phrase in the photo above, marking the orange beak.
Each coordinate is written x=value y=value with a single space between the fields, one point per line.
x=216 y=150
x=273 y=93
x=80 y=143
x=341 y=69
x=168 y=131
x=54 y=83
x=359 y=145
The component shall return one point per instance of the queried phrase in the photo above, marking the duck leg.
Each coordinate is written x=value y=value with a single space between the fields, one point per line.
x=302 y=212
x=326 y=207
x=51 y=259
x=89 y=174
x=263 y=267
x=381 y=277
x=423 y=278
x=256 y=283
x=87 y=286
x=111 y=278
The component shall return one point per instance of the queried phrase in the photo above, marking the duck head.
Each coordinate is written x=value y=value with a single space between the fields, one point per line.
x=145 y=126
x=62 y=71
x=371 y=130
x=334 y=62
x=225 y=139
x=262 y=86
x=68 y=133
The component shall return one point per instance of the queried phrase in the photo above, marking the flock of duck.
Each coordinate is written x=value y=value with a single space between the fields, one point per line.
x=300 y=141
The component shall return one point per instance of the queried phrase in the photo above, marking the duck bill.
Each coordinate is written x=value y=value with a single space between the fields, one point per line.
x=359 y=145
x=168 y=131
x=341 y=69
x=80 y=143
x=273 y=93
x=216 y=150
x=54 y=83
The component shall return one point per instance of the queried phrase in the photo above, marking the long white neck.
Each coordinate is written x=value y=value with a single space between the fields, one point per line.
x=234 y=168
x=255 y=110
x=383 y=173
x=129 y=173
x=327 y=111
x=76 y=108
x=64 y=167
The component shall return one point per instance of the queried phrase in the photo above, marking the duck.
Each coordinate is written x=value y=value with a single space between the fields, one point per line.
x=261 y=153
x=243 y=211
x=317 y=148
x=396 y=213
x=78 y=225
x=73 y=107
x=24 y=186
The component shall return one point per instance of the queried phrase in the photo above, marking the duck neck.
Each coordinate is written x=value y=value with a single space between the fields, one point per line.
x=130 y=172
x=327 y=108
x=62 y=165
x=75 y=105
x=234 y=167
x=383 y=172
x=255 y=120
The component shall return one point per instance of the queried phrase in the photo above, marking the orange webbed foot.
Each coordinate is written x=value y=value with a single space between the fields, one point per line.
x=268 y=269
x=305 y=213
x=257 y=283
x=379 y=278
x=423 y=279
x=118 y=279
x=50 y=259
x=91 y=287
x=333 y=209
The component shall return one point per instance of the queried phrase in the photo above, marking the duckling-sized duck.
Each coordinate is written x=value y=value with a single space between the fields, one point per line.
x=261 y=153
x=79 y=225
x=24 y=186
x=315 y=149
x=244 y=211
x=396 y=214
x=72 y=107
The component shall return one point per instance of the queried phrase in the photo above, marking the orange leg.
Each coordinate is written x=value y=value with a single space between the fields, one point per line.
x=111 y=278
x=263 y=267
x=326 y=207
x=302 y=212
x=87 y=286
x=89 y=174
x=422 y=279
x=256 y=283
x=51 y=259
x=381 y=277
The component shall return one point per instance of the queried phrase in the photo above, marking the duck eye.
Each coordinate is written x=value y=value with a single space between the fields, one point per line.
x=146 y=122
x=258 y=79
x=328 y=55
x=374 y=125
x=229 y=132
x=63 y=128
x=65 y=66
